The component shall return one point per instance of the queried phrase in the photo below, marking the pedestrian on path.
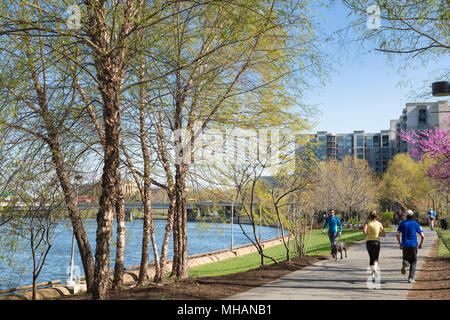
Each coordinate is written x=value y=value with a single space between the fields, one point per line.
x=408 y=229
x=373 y=229
x=332 y=221
x=432 y=217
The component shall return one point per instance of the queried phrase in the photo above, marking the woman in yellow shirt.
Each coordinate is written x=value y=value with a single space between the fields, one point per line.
x=374 y=229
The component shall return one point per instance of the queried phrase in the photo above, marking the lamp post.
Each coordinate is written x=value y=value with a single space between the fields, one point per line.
x=260 y=205
x=441 y=88
x=232 y=212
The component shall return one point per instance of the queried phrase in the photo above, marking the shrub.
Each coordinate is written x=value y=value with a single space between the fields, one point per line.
x=422 y=219
x=386 y=218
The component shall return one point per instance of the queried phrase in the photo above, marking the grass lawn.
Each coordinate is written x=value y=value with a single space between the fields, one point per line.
x=442 y=249
x=318 y=245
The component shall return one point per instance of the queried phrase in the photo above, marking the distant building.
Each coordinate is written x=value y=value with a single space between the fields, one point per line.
x=129 y=188
x=418 y=116
x=378 y=148
x=159 y=195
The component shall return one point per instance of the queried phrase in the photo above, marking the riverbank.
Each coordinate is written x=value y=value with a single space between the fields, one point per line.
x=203 y=237
x=235 y=261
x=131 y=273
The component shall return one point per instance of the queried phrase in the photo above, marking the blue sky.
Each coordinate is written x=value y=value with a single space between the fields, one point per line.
x=366 y=90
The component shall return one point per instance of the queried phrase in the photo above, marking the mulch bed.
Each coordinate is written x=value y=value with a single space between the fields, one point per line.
x=210 y=288
x=433 y=279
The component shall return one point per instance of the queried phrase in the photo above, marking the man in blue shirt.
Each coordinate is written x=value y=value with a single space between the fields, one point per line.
x=408 y=229
x=432 y=216
x=332 y=221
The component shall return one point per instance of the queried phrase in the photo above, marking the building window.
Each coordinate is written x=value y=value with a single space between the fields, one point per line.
x=376 y=141
x=349 y=141
x=385 y=153
x=360 y=150
x=360 y=141
x=369 y=142
x=340 y=141
x=422 y=115
x=385 y=141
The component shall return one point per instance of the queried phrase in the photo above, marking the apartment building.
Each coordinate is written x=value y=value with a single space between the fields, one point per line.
x=379 y=148
x=376 y=148
x=419 y=116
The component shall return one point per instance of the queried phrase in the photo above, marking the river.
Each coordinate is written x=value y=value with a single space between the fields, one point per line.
x=202 y=238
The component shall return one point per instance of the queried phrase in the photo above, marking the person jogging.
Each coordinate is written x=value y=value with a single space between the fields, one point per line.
x=408 y=243
x=432 y=217
x=332 y=221
x=373 y=229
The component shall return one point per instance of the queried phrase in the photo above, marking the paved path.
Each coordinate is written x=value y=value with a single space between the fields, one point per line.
x=346 y=279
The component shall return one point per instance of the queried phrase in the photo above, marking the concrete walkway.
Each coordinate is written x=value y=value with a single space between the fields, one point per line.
x=346 y=279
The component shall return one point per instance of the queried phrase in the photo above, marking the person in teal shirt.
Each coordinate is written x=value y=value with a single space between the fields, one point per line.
x=432 y=217
x=332 y=221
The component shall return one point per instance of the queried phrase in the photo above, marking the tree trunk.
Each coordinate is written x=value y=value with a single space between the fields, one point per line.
x=66 y=186
x=74 y=213
x=148 y=225
x=33 y=296
x=163 y=155
x=280 y=223
x=180 y=265
x=110 y=66
x=107 y=202
x=147 y=230
x=159 y=272
x=120 y=245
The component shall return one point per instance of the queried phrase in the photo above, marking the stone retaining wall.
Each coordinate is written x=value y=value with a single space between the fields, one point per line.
x=131 y=277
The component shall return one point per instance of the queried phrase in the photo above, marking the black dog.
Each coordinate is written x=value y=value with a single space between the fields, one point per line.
x=340 y=246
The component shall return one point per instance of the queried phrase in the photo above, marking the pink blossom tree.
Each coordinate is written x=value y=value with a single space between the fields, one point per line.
x=433 y=144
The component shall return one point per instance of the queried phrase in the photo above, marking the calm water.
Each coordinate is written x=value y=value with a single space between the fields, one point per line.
x=202 y=238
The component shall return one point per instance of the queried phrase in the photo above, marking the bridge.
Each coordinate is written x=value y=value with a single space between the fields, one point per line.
x=137 y=205
x=196 y=205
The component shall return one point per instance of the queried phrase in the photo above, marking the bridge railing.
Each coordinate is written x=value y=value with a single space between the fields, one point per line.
x=29 y=287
